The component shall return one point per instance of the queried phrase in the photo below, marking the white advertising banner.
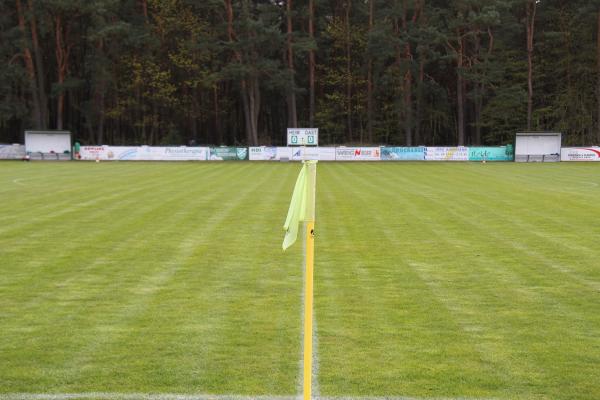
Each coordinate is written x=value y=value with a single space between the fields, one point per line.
x=296 y=153
x=326 y=153
x=580 y=154
x=262 y=153
x=357 y=154
x=313 y=153
x=286 y=153
x=447 y=153
x=144 y=153
x=291 y=153
x=106 y=152
x=12 y=151
x=305 y=153
x=148 y=153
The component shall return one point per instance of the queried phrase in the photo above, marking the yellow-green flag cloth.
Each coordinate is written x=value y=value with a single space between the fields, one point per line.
x=297 y=211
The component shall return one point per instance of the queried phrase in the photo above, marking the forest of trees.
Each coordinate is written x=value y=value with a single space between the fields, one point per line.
x=239 y=72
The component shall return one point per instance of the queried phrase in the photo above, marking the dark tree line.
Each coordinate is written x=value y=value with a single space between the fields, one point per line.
x=404 y=72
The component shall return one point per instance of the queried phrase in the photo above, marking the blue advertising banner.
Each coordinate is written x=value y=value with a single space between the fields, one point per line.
x=403 y=153
x=502 y=153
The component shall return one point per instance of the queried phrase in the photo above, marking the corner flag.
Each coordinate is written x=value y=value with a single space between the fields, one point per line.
x=302 y=208
x=302 y=205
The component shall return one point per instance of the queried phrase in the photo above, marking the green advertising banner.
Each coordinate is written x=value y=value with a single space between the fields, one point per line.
x=228 y=153
x=503 y=153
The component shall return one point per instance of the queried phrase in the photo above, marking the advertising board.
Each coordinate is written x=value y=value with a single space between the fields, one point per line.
x=262 y=153
x=580 y=154
x=143 y=153
x=12 y=151
x=403 y=153
x=446 y=154
x=313 y=153
x=357 y=154
x=490 y=154
x=228 y=153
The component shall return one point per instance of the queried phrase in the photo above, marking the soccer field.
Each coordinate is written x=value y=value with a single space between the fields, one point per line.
x=432 y=280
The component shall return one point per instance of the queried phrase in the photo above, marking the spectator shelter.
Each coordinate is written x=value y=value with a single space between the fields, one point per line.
x=48 y=145
x=537 y=146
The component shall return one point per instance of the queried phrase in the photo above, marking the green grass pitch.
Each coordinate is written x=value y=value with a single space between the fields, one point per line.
x=432 y=280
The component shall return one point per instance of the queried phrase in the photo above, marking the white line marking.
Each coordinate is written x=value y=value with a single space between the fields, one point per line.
x=403 y=398
x=178 y=396
x=134 y=396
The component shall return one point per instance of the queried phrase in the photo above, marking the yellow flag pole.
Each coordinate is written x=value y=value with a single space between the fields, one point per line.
x=308 y=310
x=308 y=286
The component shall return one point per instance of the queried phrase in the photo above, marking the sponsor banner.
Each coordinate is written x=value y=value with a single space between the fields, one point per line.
x=357 y=154
x=103 y=152
x=326 y=153
x=286 y=153
x=305 y=153
x=143 y=153
x=182 y=153
x=228 y=153
x=262 y=153
x=446 y=154
x=12 y=151
x=503 y=153
x=291 y=153
x=313 y=153
x=580 y=154
x=403 y=153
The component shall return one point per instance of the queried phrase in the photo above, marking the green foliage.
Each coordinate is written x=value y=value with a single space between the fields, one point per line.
x=135 y=68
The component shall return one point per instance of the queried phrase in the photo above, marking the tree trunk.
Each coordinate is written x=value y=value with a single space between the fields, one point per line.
x=530 y=25
x=419 y=112
x=62 y=64
x=36 y=116
x=407 y=82
x=598 y=81
x=370 y=83
x=99 y=98
x=480 y=87
x=311 y=64
x=478 y=108
x=421 y=82
x=478 y=94
x=251 y=103
x=292 y=112
x=256 y=109
x=39 y=65
x=145 y=9
x=398 y=61
x=460 y=102
x=348 y=73
x=250 y=88
x=230 y=34
x=218 y=132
